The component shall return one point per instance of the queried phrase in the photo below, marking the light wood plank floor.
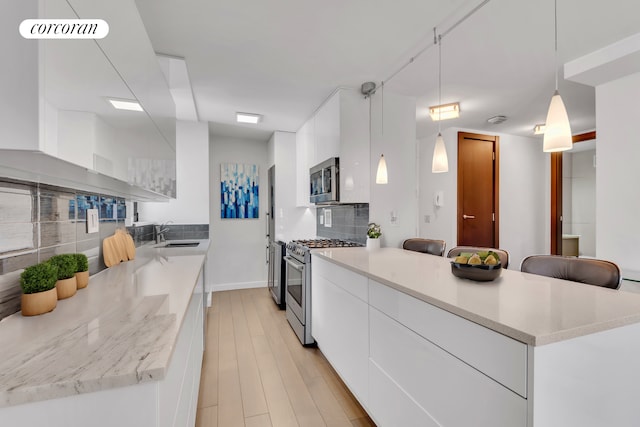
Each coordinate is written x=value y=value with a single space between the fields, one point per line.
x=255 y=372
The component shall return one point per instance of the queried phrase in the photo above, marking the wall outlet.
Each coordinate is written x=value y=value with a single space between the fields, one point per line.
x=327 y=217
x=93 y=222
x=393 y=218
x=427 y=219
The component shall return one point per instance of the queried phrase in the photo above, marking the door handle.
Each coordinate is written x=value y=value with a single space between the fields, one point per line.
x=468 y=217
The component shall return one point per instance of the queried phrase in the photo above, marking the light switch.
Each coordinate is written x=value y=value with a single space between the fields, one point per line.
x=93 y=222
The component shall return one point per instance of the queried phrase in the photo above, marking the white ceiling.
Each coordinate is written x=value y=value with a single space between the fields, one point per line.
x=282 y=58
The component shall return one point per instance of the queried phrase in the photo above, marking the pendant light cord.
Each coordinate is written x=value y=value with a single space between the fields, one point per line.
x=439 y=78
x=555 y=24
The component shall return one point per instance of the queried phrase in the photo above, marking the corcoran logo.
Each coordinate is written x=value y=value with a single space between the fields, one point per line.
x=64 y=28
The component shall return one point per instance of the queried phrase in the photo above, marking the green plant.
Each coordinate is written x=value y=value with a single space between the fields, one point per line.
x=82 y=263
x=39 y=278
x=66 y=264
x=374 y=231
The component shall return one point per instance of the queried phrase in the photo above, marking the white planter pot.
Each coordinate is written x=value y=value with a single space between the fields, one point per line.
x=373 y=244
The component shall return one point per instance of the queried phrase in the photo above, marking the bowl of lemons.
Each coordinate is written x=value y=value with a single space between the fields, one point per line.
x=482 y=266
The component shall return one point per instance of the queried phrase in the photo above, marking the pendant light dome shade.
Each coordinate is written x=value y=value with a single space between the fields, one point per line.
x=381 y=175
x=440 y=161
x=557 y=134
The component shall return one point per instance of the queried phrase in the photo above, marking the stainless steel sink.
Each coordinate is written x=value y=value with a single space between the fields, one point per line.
x=180 y=245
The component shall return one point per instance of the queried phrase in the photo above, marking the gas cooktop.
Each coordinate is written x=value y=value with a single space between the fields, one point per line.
x=325 y=243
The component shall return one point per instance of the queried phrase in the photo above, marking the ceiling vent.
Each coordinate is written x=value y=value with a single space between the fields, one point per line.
x=495 y=120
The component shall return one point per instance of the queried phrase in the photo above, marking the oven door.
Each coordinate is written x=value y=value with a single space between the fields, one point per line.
x=296 y=292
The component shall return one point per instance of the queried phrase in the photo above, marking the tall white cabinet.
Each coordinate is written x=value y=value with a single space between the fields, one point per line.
x=339 y=128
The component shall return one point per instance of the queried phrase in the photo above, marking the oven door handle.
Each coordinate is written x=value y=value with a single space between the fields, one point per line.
x=293 y=263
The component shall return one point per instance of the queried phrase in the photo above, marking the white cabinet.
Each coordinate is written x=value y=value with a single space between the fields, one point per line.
x=327 y=130
x=340 y=128
x=59 y=125
x=410 y=363
x=438 y=382
x=354 y=148
x=304 y=159
x=340 y=323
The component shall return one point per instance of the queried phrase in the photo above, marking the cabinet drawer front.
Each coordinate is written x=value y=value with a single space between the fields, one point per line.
x=351 y=282
x=391 y=406
x=497 y=356
x=451 y=391
x=340 y=325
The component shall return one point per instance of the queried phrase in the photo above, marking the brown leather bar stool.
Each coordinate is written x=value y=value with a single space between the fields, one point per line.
x=504 y=255
x=427 y=246
x=595 y=272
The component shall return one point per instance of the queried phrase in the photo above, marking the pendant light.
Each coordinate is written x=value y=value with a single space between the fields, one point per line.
x=440 y=161
x=381 y=174
x=557 y=134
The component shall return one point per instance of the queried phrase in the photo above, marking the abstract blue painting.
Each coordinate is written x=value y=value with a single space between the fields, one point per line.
x=239 y=189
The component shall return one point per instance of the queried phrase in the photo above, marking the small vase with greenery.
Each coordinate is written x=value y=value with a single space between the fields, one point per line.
x=373 y=236
x=66 y=284
x=82 y=270
x=38 y=283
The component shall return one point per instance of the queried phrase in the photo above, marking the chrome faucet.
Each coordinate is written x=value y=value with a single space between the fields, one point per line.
x=161 y=230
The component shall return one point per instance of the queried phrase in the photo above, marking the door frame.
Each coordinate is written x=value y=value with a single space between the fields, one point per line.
x=556 y=193
x=496 y=184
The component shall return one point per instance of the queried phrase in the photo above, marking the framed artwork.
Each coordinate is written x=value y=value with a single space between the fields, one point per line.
x=239 y=191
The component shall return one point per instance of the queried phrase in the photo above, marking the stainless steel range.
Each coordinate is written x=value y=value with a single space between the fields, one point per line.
x=298 y=282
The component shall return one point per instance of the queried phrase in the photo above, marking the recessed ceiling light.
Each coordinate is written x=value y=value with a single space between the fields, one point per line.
x=497 y=119
x=539 y=129
x=248 y=118
x=445 y=111
x=124 y=104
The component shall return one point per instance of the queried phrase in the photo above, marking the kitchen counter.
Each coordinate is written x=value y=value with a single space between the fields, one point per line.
x=119 y=331
x=532 y=309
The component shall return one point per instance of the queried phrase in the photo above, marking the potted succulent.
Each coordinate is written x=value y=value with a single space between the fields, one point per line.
x=373 y=236
x=66 y=284
x=82 y=270
x=38 y=283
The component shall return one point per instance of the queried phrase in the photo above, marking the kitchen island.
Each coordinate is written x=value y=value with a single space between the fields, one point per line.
x=126 y=350
x=419 y=346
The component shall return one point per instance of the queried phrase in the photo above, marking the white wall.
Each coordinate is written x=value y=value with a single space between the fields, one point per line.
x=524 y=194
x=291 y=222
x=237 y=257
x=618 y=174
x=397 y=141
x=191 y=206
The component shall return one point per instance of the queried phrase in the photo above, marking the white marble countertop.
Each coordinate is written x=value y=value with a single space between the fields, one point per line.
x=533 y=309
x=119 y=331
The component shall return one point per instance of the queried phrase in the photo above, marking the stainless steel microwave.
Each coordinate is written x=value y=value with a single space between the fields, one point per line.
x=324 y=180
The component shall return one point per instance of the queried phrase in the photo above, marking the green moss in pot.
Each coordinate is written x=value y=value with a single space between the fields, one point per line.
x=39 y=294
x=82 y=270
x=66 y=284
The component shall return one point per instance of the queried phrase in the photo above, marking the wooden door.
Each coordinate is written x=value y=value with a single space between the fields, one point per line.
x=478 y=190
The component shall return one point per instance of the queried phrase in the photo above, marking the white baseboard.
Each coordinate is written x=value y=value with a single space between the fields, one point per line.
x=233 y=286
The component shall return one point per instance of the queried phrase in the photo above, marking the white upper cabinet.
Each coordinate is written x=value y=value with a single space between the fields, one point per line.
x=64 y=125
x=354 y=147
x=340 y=128
x=327 y=130
x=305 y=153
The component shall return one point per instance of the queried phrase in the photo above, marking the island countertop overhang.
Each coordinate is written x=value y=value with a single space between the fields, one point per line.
x=535 y=310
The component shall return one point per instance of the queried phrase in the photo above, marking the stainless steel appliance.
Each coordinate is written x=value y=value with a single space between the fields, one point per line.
x=324 y=180
x=275 y=248
x=275 y=278
x=298 y=282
